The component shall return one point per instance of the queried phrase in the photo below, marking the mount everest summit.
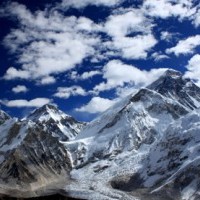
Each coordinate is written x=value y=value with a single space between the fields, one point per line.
x=144 y=147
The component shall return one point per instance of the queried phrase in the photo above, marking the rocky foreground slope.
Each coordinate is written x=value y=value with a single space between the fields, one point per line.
x=144 y=147
x=33 y=160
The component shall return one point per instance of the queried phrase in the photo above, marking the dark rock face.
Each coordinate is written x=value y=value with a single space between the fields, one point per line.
x=51 y=197
x=3 y=117
x=56 y=122
x=38 y=161
x=173 y=85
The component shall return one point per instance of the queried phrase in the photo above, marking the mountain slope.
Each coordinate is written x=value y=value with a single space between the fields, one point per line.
x=140 y=119
x=172 y=84
x=56 y=122
x=31 y=159
x=143 y=147
x=3 y=117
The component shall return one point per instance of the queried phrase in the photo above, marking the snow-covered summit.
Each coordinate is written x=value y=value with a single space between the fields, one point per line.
x=3 y=116
x=138 y=120
x=174 y=85
x=61 y=125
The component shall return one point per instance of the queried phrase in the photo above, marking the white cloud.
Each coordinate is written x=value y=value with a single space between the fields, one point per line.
x=194 y=68
x=168 y=8
x=66 y=92
x=90 y=74
x=79 y=4
x=168 y=36
x=96 y=105
x=133 y=47
x=84 y=76
x=13 y=73
x=19 y=89
x=47 y=80
x=130 y=21
x=196 y=18
x=120 y=26
x=186 y=46
x=117 y=73
x=48 y=43
x=158 y=56
x=38 y=102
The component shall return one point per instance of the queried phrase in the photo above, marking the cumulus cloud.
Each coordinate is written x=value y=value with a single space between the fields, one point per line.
x=38 y=102
x=158 y=56
x=13 y=73
x=196 y=18
x=90 y=74
x=168 y=8
x=19 y=89
x=84 y=76
x=127 y=22
x=194 y=68
x=97 y=105
x=168 y=36
x=186 y=46
x=117 y=73
x=47 y=80
x=133 y=47
x=121 y=26
x=66 y=92
x=80 y=4
x=48 y=43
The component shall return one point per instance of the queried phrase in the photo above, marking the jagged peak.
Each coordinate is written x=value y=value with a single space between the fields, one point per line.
x=4 y=116
x=46 y=107
x=169 y=81
x=172 y=73
x=50 y=110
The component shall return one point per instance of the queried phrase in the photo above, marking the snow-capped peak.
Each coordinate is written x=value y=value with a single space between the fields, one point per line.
x=3 y=116
x=57 y=122
x=46 y=112
x=174 y=85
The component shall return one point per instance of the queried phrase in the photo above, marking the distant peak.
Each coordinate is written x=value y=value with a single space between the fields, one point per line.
x=50 y=106
x=45 y=109
x=172 y=73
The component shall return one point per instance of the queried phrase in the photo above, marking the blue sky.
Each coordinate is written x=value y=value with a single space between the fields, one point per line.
x=86 y=55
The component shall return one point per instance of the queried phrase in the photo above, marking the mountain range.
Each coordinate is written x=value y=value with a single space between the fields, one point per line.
x=146 y=146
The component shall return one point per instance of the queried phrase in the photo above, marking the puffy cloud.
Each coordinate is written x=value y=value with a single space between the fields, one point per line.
x=158 y=56
x=48 y=43
x=86 y=75
x=47 y=80
x=13 y=73
x=196 y=18
x=168 y=36
x=186 y=46
x=90 y=74
x=66 y=92
x=79 y=4
x=194 y=68
x=129 y=21
x=96 y=105
x=168 y=8
x=121 y=26
x=133 y=47
x=117 y=73
x=38 y=102
x=19 y=89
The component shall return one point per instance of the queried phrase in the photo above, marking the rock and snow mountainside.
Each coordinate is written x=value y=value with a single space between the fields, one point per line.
x=3 y=117
x=31 y=153
x=59 y=124
x=145 y=147
x=139 y=119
